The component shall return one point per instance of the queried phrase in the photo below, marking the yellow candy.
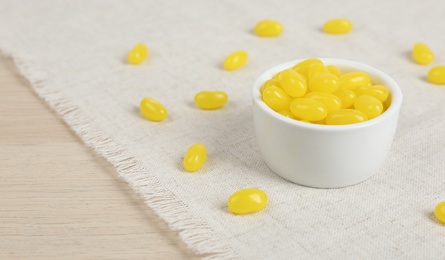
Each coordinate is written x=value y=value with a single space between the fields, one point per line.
x=345 y=117
x=369 y=105
x=331 y=102
x=235 y=60
x=270 y=83
x=138 y=54
x=324 y=83
x=439 y=211
x=292 y=83
x=308 y=109
x=152 y=109
x=277 y=76
x=276 y=98
x=347 y=97
x=195 y=157
x=378 y=91
x=247 y=201
x=334 y=70
x=268 y=28
x=337 y=26
x=303 y=67
x=422 y=54
x=316 y=69
x=353 y=79
x=210 y=99
x=286 y=113
x=437 y=75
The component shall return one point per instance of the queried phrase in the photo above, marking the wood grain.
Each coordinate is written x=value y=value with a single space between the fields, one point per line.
x=58 y=200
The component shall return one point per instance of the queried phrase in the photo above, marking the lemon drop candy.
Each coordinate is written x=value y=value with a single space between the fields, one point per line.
x=276 y=98
x=353 y=79
x=324 y=83
x=347 y=97
x=210 y=99
x=422 y=54
x=378 y=91
x=345 y=117
x=337 y=26
x=439 y=211
x=292 y=83
x=308 y=109
x=247 y=201
x=138 y=54
x=332 y=102
x=437 y=75
x=334 y=70
x=152 y=109
x=268 y=28
x=369 y=105
x=287 y=114
x=303 y=67
x=235 y=60
x=195 y=157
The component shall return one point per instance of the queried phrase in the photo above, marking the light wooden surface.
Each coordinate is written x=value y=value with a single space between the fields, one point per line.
x=58 y=199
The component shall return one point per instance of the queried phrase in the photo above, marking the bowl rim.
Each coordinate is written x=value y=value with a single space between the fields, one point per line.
x=387 y=81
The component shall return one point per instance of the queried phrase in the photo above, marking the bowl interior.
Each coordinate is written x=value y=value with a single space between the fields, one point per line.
x=378 y=77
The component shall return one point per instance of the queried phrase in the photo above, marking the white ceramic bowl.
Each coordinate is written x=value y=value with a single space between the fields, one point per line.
x=325 y=156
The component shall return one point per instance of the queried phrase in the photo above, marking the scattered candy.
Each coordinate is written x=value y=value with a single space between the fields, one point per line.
x=195 y=157
x=247 y=201
x=437 y=75
x=152 y=109
x=210 y=99
x=138 y=54
x=268 y=28
x=326 y=98
x=235 y=60
x=337 y=26
x=422 y=54
x=439 y=211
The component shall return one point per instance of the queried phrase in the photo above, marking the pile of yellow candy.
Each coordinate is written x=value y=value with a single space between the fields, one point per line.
x=315 y=93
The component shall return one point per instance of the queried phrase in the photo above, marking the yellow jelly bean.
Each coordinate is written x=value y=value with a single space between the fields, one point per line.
x=292 y=83
x=276 y=98
x=369 y=105
x=268 y=28
x=332 y=102
x=347 y=97
x=378 y=91
x=439 y=211
x=247 y=201
x=235 y=60
x=303 y=67
x=345 y=117
x=324 y=83
x=334 y=70
x=210 y=99
x=308 y=109
x=270 y=83
x=353 y=79
x=286 y=113
x=337 y=26
x=138 y=54
x=152 y=109
x=316 y=69
x=195 y=157
x=277 y=76
x=437 y=75
x=422 y=54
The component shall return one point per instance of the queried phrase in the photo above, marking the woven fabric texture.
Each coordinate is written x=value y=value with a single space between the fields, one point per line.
x=73 y=53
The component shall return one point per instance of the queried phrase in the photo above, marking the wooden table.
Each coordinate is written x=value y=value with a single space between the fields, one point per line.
x=58 y=199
